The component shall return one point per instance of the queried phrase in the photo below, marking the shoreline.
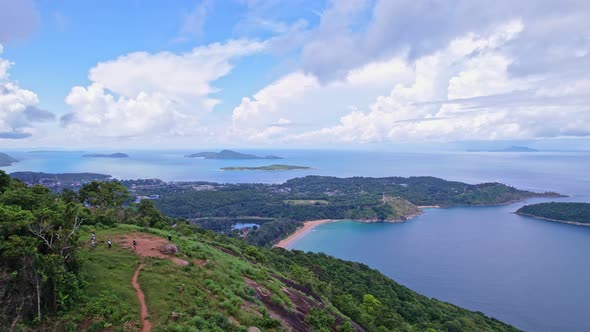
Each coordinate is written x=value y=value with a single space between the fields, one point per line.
x=308 y=226
x=576 y=223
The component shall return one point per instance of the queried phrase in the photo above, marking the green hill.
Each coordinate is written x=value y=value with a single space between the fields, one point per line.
x=52 y=278
x=564 y=212
x=6 y=160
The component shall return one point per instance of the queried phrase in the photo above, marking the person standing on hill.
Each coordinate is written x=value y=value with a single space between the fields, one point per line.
x=110 y=243
x=93 y=236
x=134 y=244
x=169 y=237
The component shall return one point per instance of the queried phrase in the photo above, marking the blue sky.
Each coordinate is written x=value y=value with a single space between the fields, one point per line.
x=293 y=73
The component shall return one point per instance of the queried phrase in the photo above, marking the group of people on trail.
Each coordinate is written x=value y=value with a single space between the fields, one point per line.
x=93 y=241
x=110 y=242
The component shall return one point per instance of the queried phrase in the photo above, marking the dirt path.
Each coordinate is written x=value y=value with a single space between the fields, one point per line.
x=147 y=246
x=146 y=325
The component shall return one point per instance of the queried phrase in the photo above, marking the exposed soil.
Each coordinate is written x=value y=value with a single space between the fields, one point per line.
x=228 y=251
x=146 y=325
x=147 y=246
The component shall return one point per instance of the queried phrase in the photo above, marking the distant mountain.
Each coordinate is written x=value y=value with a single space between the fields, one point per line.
x=6 y=160
x=513 y=148
x=100 y=155
x=228 y=154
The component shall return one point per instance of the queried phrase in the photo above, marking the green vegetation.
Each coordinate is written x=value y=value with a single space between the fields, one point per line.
x=357 y=198
x=264 y=168
x=6 y=160
x=228 y=154
x=51 y=278
x=306 y=202
x=566 y=212
x=39 y=177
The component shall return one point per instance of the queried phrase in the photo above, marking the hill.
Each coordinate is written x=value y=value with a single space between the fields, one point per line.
x=101 y=155
x=578 y=213
x=56 y=276
x=228 y=154
x=6 y=160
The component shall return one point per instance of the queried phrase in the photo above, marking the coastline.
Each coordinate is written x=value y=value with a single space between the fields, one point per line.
x=554 y=220
x=308 y=226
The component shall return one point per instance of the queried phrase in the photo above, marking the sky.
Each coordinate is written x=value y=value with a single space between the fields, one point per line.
x=296 y=73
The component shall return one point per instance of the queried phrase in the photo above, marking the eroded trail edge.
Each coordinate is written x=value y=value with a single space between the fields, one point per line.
x=146 y=325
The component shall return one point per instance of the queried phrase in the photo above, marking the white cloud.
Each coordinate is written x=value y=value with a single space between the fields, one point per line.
x=18 y=107
x=464 y=91
x=151 y=94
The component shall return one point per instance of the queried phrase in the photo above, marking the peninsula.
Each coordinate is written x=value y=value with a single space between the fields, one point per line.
x=6 y=160
x=101 y=155
x=569 y=213
x=228 y=155
x=265 y=168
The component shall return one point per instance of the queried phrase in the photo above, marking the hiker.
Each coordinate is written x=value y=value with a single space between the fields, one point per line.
x=109 y=243
x=93 y=236
x=169 y=237
x=134 y=244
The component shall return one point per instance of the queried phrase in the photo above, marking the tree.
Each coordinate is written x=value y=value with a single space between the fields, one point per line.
x=104 y=194
x=4 y=181
x=148 y=212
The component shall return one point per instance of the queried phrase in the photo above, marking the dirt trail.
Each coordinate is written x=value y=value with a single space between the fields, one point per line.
x=146 y=325
x=147 y=246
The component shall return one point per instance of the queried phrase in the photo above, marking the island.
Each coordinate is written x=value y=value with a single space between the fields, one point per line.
x=565 y=212
x=265 y=168
x=228 y=155
x=101 y=155
x=513 y=148
x=6 y=160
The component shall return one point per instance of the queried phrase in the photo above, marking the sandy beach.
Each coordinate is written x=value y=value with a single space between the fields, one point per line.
x=307 y=227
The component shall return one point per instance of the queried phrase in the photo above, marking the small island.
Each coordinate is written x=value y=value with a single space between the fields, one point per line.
x=6 y=160
x=265 y=168
x=228 y=155
x=569 y=213
x=513 y=148
x=112 y=155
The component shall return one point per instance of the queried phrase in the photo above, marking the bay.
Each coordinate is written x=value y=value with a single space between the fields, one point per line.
x=531 y=273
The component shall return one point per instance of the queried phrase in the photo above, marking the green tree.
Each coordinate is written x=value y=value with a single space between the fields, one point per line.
x=104 y=194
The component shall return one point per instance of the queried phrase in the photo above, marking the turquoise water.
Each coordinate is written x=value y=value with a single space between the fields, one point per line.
x=531 y=273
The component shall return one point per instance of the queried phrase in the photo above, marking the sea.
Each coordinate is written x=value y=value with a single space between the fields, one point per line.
x=531 y=273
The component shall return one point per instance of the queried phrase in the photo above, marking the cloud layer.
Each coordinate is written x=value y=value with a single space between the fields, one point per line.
x=18 y=107
x=152 y=94
x=361 y=71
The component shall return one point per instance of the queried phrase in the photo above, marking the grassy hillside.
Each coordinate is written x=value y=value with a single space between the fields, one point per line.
x=230 y=286
x=53 y=277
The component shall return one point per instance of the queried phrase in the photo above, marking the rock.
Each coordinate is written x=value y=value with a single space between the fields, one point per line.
x=253 y=329
x=169 y=249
